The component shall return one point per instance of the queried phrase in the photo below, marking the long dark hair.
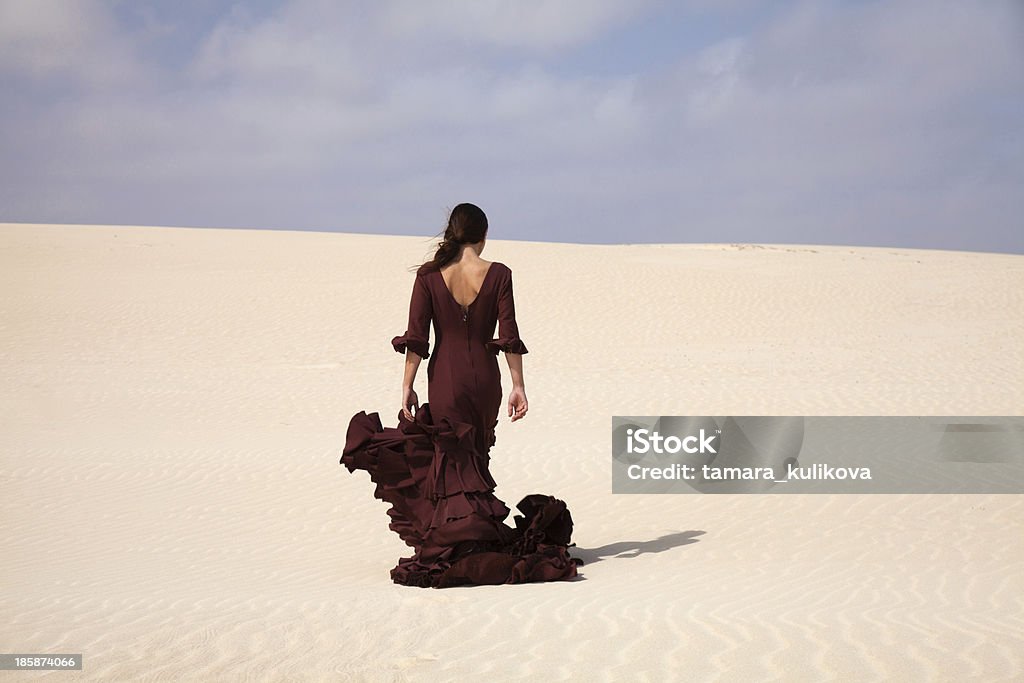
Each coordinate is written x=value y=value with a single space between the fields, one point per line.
x=467 y=224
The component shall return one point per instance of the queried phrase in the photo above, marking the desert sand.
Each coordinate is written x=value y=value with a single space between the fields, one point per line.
x=175 y=402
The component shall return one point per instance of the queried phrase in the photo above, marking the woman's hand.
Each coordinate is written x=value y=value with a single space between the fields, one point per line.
x=517 y=403
x=409 y=400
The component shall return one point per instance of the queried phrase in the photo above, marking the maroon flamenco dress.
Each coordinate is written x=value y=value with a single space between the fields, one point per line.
x=433 y=470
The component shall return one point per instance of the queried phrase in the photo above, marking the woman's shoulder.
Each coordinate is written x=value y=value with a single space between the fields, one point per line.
x=498 y=267
x=424 y=271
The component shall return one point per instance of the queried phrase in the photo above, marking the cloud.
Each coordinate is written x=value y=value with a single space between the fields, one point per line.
x=527 y=24
x=77 y=41
x=715 y=75
x=292 y=54
x=875 y=123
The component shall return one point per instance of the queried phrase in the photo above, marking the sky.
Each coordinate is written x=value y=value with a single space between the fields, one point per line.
x=896 y=123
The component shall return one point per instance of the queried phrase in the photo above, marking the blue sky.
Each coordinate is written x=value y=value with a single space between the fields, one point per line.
x=894 y=123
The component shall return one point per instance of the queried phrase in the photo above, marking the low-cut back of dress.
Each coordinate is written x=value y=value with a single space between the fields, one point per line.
x=434 y=470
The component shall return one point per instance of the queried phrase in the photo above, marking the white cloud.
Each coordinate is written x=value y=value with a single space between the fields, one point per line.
x=281 y=53
x=716 y=73
x=532 y=24
x=853 y=123
x=44 y=39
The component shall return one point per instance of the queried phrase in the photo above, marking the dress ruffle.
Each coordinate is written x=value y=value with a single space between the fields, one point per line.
x=442 y=504
x=506 y=344
x=415 y=344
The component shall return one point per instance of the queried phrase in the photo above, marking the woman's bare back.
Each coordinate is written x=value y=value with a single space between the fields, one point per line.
x=465 y=281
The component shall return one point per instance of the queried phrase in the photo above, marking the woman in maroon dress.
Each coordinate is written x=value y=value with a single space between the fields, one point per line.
x=433 y=467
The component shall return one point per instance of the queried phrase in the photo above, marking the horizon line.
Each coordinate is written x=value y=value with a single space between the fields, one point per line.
x=735 y=244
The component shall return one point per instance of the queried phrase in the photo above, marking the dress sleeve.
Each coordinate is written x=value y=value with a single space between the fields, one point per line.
x=421 y=310
x=508 y=331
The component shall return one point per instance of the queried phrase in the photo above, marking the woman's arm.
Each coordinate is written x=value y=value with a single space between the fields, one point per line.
x=415 y=343
x=515 y=368
x=409 y=398
x=517 y=403
x=412 y=365
x=508 y=341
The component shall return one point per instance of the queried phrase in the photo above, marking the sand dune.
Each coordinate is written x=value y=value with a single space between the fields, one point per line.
x=175 y=400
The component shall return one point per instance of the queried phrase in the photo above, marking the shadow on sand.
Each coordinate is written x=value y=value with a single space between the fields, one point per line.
x=628 y=549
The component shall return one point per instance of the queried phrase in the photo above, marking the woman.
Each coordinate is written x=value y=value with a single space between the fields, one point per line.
x=433 y=467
